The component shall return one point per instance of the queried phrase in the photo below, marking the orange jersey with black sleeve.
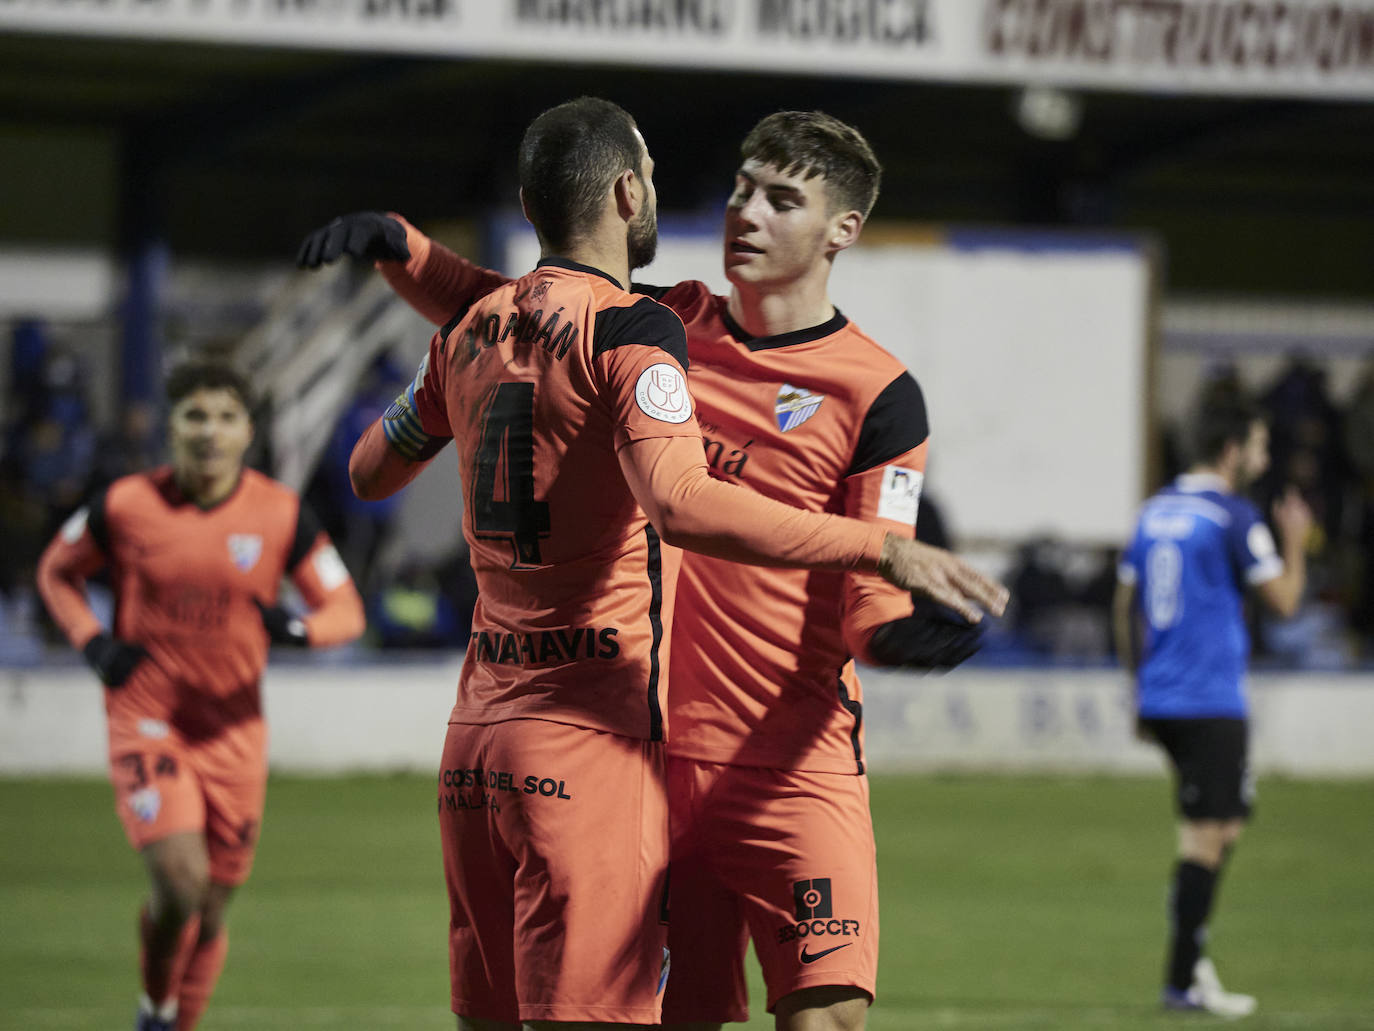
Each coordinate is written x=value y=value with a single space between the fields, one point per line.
x=540 y=382
x=826 y=420
x=187 y=582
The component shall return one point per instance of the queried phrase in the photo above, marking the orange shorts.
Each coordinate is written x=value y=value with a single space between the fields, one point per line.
x=784 y=857
x=556 y=854
x=163 y=785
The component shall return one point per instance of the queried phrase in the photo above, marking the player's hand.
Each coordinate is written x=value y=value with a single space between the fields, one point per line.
x=941 y=576
x=932 y=638
x=112 y=659
x=366 y=235
x=1292 y=516
x=282 y=626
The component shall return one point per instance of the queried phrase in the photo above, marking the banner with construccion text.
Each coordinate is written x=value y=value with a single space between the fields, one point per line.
x=1296 y=48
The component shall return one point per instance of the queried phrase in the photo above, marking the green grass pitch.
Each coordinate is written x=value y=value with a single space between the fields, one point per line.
x=1007 y=903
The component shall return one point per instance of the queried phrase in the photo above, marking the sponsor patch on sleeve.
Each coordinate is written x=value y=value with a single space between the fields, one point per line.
x=330 y=568
x=75 y=525
x=661 y=392
x=900 y=495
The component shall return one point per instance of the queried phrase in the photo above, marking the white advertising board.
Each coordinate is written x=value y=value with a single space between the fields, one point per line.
x=1030 y=349
x=1304 y=48
x=336 y=719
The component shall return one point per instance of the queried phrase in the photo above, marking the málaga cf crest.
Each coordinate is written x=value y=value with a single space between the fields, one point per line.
x=795 y=405
x=245 y=549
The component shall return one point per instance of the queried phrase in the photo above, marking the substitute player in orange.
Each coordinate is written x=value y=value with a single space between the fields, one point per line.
x=581 y=466
x=196 y=552
x=772 y=834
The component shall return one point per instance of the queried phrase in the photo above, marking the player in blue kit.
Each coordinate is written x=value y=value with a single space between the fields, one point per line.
x=1197 y=547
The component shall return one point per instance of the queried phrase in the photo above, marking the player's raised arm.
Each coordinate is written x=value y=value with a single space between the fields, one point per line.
x=1281 y=589
x=335 y=613
x=428 y=276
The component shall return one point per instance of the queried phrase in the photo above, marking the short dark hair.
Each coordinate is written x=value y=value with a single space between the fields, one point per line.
x=568 y=158
x=191 y=376
x=814 y=143
x=1224 y=418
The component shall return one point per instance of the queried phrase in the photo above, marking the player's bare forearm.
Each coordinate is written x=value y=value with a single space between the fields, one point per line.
x=1294 y=519
x=376 y=469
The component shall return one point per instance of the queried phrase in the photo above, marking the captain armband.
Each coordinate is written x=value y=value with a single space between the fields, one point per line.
x=404 y=433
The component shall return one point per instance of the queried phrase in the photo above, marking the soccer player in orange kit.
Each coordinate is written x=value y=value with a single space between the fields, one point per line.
x=580 y=459
x=196 y=552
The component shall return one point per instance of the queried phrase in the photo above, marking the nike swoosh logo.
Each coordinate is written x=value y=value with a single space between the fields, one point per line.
x=811 y=957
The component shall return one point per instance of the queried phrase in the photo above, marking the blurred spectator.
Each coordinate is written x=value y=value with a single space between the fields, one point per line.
x=359 y=528
x=1306 y=442
x=1061 y=600
x=133 y=445
x=51 y=448
x=1359 y=442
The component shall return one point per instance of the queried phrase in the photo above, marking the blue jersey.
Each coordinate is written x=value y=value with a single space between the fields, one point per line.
x=1195 y=550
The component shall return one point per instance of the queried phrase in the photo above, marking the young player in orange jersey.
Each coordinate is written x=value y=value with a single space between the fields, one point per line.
x=580 y=459
x=196 y=552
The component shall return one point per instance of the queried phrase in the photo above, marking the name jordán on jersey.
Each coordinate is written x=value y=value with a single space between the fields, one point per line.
x=554 y=335
x=562 y=645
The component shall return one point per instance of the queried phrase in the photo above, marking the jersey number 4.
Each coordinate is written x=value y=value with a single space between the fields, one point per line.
x=508 y=443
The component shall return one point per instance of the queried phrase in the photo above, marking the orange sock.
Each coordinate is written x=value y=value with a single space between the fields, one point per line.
x=161 y=981
x=198 y=982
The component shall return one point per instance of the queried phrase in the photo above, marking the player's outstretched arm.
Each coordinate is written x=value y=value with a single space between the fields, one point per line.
x=668 y=476
x=428 y=276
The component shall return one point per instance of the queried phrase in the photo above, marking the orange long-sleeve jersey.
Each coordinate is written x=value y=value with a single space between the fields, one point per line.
x=822 y=419
x=825 y=420
x=187 y=582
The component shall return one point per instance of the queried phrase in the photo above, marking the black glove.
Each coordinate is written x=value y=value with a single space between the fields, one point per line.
x=112 y=659
x=282 y=626
x=934 y=637
x=368 y=235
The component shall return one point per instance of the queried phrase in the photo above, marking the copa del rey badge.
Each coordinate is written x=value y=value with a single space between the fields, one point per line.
x=245 y=549
x=662 y=393
x=794 y=406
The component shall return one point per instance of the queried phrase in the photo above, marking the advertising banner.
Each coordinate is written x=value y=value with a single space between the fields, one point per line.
x=1298 y=48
